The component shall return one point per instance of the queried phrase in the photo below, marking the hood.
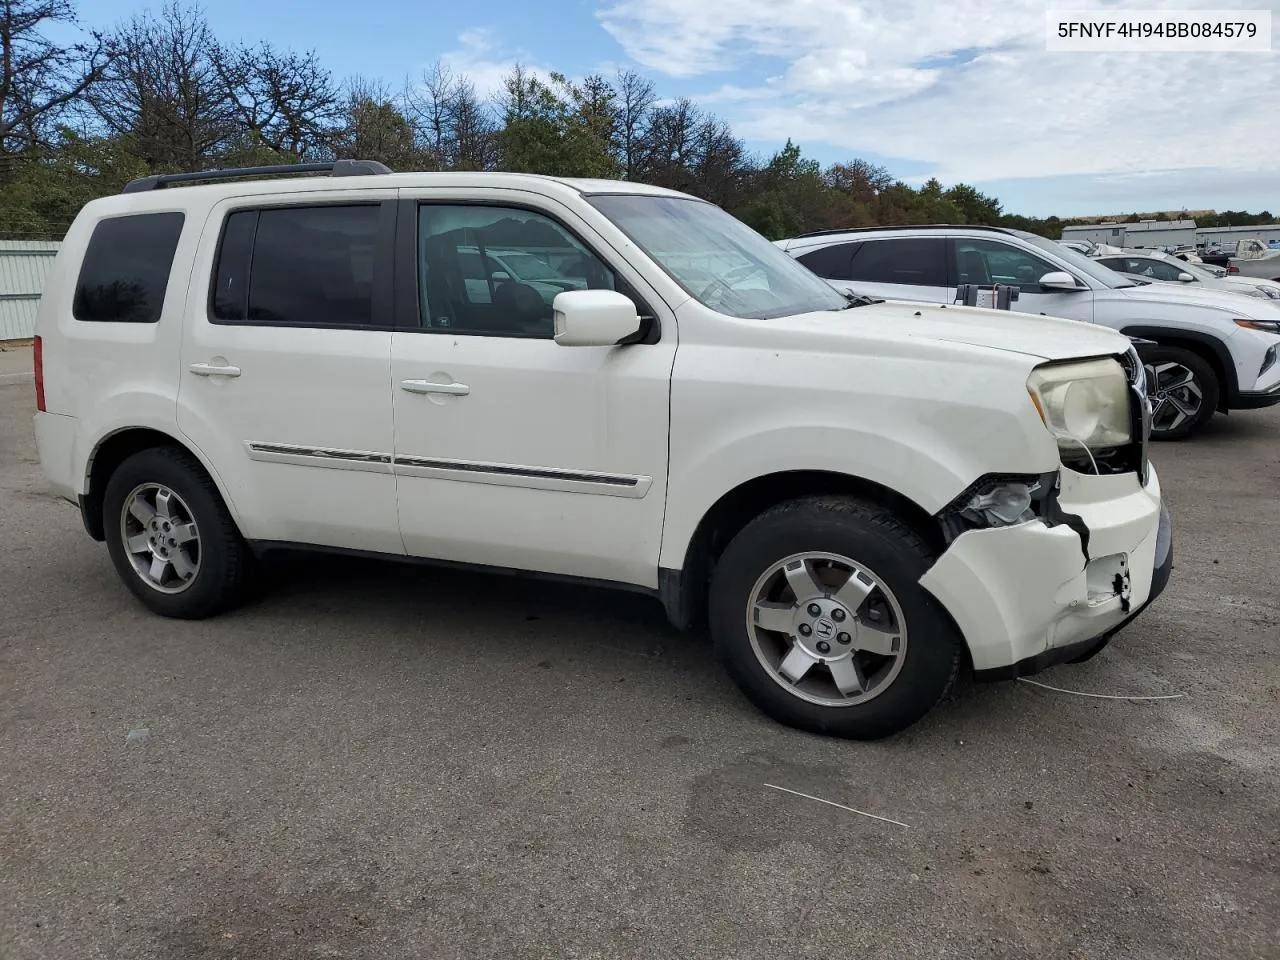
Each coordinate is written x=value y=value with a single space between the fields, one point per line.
x=1248 y=285
x=1196 y=295
x=1045 y=338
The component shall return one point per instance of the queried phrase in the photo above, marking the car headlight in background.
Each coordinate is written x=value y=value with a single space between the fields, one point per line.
x=1083 y=403
x=1266 y=326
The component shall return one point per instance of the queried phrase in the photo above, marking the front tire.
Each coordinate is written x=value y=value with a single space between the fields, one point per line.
x=817 y=613
x=171 y=537
x=1184 y=391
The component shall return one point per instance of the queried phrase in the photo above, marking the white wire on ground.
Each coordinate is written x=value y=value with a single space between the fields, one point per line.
x=1100 y=696
x=832 y=803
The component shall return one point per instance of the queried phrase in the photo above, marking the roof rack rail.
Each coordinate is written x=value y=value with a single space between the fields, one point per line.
x=335 y=168
x=907 y=226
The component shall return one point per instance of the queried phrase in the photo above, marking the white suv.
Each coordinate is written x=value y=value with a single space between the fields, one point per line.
x=862 y=500
x=1211 y=350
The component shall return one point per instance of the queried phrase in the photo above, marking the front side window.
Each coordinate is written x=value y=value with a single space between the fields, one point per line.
x=1156 y=269
x=495 y=271
x=911 y=261
x=989 y=261
x=298 y=266
x=716 y=259
x=125 y=271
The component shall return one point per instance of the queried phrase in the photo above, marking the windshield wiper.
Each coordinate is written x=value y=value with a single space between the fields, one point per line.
x=858 y=300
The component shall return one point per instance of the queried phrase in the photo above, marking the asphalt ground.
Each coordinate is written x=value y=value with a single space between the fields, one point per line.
x=387 y=761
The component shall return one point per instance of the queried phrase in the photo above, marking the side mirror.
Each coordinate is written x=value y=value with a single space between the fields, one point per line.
x=500 y=275
x=1059 y=280
x=1186 y=278
x=594 y=318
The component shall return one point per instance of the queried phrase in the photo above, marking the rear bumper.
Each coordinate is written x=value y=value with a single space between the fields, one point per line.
x=1029 y=596
x=55 y=446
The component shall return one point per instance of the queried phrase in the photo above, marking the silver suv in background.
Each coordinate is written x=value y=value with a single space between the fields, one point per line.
x=1210 y=351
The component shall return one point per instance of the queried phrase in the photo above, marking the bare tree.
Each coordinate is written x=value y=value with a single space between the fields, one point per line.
x=719 y=166
x=455 y=127
x=670 y=144
x=633 y=102
x=163 y=91
x=374 y=127
x=282 y=100
x=40 y=79
x=474 y=130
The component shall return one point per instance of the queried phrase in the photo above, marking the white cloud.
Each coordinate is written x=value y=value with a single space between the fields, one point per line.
x=965 y=85
x=484 y=60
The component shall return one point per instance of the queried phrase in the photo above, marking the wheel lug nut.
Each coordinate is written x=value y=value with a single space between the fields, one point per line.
x=805 y=629
x=845 y=639
x=837 y=615
x=814 y=610
x=824 y=647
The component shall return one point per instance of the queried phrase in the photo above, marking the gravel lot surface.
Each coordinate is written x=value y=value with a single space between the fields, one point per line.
x=386 y=761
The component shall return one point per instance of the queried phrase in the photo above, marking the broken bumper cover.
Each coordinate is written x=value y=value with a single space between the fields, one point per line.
x=1030 y=596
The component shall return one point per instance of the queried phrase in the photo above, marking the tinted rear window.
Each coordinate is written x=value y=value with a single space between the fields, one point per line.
x=831 y=262
x=126 y=268
x=915 y=261
x=298 y=266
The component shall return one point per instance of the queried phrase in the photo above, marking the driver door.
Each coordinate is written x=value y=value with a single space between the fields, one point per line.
x=985 y=262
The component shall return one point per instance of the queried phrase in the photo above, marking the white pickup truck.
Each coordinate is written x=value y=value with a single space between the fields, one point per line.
x=1253 y=258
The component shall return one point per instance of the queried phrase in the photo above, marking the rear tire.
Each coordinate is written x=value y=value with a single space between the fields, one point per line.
x=1184 y=391
x=860 y=566
x=171 y=537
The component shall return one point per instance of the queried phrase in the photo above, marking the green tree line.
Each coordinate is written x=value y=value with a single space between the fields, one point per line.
x=161 y=93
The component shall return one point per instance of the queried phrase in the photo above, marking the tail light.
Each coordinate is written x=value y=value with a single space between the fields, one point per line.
x=38 y=355
x=1233 y=269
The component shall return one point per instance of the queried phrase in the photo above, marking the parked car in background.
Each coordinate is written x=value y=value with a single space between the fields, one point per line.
x=1215 y=256
x=1213 y=269
x=1211 y=351
x=1152 y=265
x=1253 y=258
x=860 y=499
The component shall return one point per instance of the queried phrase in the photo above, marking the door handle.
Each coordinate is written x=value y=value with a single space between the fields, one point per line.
x=426 y=386
x=214 y=370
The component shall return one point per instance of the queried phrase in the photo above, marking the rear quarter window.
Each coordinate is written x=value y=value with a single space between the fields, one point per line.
x=833 y=262
x=125 y=271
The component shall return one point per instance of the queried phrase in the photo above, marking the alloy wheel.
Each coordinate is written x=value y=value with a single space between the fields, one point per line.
x=1176 y=397
x=160 y=537
x=826 y=629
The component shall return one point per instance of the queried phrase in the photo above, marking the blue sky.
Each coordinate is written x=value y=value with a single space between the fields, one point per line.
x=960 y=89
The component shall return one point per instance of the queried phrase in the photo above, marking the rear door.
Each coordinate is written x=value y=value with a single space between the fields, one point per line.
x=285 y=377
x=900 y=268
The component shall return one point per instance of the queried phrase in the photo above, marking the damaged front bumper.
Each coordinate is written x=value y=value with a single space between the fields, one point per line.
x=1029 y=596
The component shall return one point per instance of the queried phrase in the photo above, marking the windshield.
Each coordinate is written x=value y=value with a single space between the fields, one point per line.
x=1092 y=268
x=718 y=260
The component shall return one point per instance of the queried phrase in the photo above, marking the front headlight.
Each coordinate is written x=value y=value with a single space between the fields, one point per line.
x=1266 y=326
x=1083 y=403
x=1271 y=293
